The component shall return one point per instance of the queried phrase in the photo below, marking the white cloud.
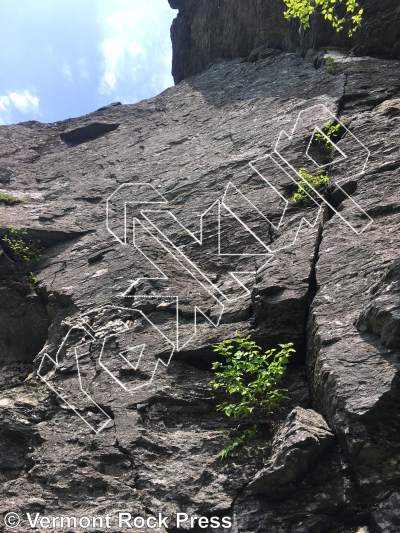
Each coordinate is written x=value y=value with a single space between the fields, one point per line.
x=133 y=49
x=113 y=51
x=5 y=111
x=4 y=103
x=123 y=19
x=25 y=102
x=82 y=68
x=136 y=49
x=67 y=73
x=115 y=48
x=117 y=52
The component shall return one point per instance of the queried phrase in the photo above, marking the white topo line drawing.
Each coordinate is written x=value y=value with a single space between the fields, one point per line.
x=145 y=195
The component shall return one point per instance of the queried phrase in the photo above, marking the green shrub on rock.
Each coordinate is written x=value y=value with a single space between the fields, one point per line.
x=22 y=250
x=252 y=379
x=24 y=253
x=331 y=131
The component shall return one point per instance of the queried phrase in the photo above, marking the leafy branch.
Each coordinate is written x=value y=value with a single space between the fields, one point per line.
x=309 y=183
x=238 y=441
x=303 y=9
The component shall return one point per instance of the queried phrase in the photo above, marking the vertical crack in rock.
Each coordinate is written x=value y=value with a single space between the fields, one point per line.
x=342 y=99
x=312 y=289
x=313 y=284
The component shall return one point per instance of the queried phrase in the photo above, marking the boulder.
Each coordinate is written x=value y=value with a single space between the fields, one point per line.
x=298 y=443
x=386 y=517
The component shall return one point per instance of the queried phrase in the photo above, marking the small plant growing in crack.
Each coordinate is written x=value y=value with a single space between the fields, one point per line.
x=331 y=131
x=252 y=378
x=322 y=143
x=330 y=64
x=10 y=200
x=24 y=253
x=318 y=182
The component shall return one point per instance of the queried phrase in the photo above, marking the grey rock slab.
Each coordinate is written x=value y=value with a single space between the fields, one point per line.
x=161 y=449
x=6 y=265
x=87 y=133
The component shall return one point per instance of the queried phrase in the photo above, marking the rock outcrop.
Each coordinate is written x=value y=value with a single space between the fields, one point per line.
x=112 y=195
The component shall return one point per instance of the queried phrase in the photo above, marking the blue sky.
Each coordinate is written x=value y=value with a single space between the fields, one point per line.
x=64 y=58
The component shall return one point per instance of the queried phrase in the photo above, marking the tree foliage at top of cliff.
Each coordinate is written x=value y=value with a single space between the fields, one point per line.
x=303 y=9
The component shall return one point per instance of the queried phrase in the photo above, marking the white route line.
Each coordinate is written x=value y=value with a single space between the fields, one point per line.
x=286 y=202
x=57 y=365
x=218 y=301
x=91 y=331
x=344 y=156
x=135 y=367
x=144 y=185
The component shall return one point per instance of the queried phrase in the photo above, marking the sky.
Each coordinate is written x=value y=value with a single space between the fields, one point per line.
x=61 y=59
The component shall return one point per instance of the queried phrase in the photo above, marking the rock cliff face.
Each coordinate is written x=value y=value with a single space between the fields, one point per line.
x=205 y=31
x=113 y=195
